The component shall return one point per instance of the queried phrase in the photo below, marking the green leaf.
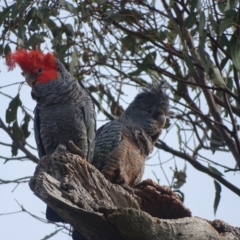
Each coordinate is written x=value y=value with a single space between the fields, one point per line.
x=214 y=24
x=39 y=15
x=171 y=2
x=216 y=77
x=136 y=72
x=230 y=4
x=236 y=101
x=100 y=2
x=52 y=27
x=162 y=35
x=131 y=15
x=15 y=10
x=11 y=112
x=85 y=12
x=235 y=53
x=172 y=34
x=189 y=63
x=224 y=42
x=194 y=31
x=180 y=87
x=5 y=13
x=153 y=3
x=230 y=83
x=226 y=23
x=30 y=15
x=128 y=43
x=205 y=59
x=62 y=50
x=21 y=34
x=218 y=190
x=147 y=48
x=68 y=7
x=125 y=15
x=232 y=14
x=149 y=60
x=215 y=142
x=7 y=50
x=223 y=63
x=214 y=170
x=190 y=20
x=202 y=21
x=14 y=150
x=100 y=58
x=1 y=49
x=19 y=8
x=68 y=29
x=230 y=70
x=24 y=126
x=221 y=6
x=193 y=5
x=177 y=69
x=17 y=132
x=34 y=25
x=35 y=40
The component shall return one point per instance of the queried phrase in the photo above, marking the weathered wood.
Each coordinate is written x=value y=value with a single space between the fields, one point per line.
x=81 y=195
x=160 y=201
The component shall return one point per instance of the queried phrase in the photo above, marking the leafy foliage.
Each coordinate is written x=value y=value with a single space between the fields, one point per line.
x=193 y=46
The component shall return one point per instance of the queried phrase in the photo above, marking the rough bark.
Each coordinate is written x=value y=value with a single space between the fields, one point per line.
x=81 y=195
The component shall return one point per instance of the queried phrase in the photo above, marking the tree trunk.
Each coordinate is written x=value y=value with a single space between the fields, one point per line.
x=98 y=209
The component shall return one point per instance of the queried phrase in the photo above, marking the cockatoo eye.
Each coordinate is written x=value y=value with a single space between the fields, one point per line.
x=37 y=71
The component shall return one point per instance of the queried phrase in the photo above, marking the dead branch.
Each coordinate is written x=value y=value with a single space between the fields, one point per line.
x=81 y=195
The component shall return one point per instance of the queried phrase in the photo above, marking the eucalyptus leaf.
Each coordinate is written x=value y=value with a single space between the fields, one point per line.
x=193 y=5
x=190 y=20
x=17 y=133
x=11 y=112
x=218 y=190
x=68 y=7
x=202 y=21
x=225 y=24
x=25 y=125
x=214 y=170
x=235 y=53
x=216 y=76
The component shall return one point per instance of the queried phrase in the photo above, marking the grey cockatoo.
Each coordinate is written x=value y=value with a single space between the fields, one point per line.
x=64 y=110
x=123 y=145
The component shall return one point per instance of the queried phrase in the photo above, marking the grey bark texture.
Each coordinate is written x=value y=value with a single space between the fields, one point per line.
x=98 y=209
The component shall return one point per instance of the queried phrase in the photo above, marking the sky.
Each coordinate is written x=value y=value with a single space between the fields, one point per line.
x=199 y=189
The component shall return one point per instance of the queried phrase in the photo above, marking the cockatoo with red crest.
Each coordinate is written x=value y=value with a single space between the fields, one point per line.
x=64 y=109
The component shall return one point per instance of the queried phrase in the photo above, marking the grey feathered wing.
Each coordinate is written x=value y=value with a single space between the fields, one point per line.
x=40 y=148
x=50 y=214
x=108 y=138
